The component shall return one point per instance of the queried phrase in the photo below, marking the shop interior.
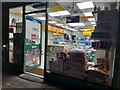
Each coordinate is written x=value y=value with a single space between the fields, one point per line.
x=81 y=39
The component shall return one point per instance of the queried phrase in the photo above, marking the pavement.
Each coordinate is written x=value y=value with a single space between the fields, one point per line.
x=13 y=81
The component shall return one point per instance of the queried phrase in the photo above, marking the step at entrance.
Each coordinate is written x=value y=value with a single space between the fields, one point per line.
x=31 y=78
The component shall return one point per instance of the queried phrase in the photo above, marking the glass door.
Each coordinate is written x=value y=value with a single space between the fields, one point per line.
x=32 y=45
x=34 y=18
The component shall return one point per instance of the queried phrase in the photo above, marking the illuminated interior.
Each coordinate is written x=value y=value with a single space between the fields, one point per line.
x=80 y=43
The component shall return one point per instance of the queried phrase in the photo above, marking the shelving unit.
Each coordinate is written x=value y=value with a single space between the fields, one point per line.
x=107 y=23
x=17 y=43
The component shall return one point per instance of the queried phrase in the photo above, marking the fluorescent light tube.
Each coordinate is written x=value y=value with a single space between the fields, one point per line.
x=76 y=24
x=32 y=14
x=88 y=14
x=62 y=13
x=41 y=18
x=27 y=11
x=67 y=27
x=59 y=24
x=52 y=22
x=63 y=26
x=93 y=23
x=59 y=13
x=91 y=19
x=54 y=14
x=72 y=29
x=85 y=5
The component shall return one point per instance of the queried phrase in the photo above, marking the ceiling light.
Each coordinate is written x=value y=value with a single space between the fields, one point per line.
x=91 y=19
x=63 y=26
x=73 y=29
x=85 y=29
x=88 y=14
x=59 y=24
x=27 y=11
x=32 y=14
x=42 y=18
x=93 y=23
x=54 y=14
x=68 y=28
x=52 y=22
x=85 y=5
x=76 y=24
x=62 y=13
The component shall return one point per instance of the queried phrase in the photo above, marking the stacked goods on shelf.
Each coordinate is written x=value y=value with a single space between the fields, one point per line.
x=18 y=43
x=105 y=29
x=105 y=24
x=102 y=44
x=99 y=35
x=105 y=36
x=106 y=16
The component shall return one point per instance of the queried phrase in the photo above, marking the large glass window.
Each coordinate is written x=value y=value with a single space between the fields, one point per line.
x=82 y=40
x=15 y=35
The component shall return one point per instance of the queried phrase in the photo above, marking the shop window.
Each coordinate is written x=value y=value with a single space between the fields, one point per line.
x=15 y=35
x=89 y=52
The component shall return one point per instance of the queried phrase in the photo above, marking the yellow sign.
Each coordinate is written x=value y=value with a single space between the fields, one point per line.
x=60 y=31
x=53 y=29
x=87 y=33
x=87 y=29
x=17 y=14
x=57 y=8
x=56 y=34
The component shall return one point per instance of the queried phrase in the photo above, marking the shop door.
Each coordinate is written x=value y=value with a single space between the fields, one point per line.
x=32 y=43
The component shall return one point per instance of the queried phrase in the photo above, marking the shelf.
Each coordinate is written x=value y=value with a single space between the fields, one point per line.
x=18 y=26
x=104 y=30
x=15 y=26
x=101 y=49
x=107 y=22
x=11 y=26
x=102 y=39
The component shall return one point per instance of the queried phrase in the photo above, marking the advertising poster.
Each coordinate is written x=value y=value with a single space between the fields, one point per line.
x=32 y=45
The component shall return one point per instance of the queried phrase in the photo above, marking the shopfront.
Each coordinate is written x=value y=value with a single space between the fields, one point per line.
x=68 y=43
x=84 y=54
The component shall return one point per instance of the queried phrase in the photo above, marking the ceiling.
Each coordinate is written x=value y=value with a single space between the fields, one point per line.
x=71 y=7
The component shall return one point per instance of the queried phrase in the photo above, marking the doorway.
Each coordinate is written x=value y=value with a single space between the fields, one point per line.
x=34 y=40
x=27 y=39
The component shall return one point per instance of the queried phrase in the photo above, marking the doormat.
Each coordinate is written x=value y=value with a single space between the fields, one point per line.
x=31 y=78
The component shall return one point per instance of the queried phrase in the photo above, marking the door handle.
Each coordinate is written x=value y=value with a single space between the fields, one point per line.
x=4 y=46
